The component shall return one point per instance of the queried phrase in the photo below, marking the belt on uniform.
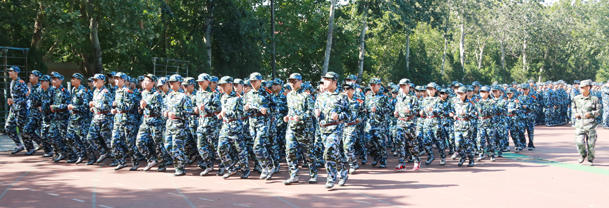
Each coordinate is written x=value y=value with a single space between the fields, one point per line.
x=406 y=119
x=510 y=115
x=36 y=106
x=102 y=112
x=352 y=123
x=62 y=110
x=462 y=119
x=152 y=116
x=231 y=120
x=244 y=118
x=485 y=117
x=257 y=115
x=430 y=116
x=122 y=112
x=208 y=115
x=528 y=111
x=331 y=124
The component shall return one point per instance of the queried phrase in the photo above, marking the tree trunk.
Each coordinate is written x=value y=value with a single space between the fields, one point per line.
x=444 y=55
x=207 y=38
x=524 y=55
x=407 y=52
x=273 y=36
x=37 y=37
x=481 y=55
x=545 y=55
x=93 y=27
x=462 y=46
x=362 y=46
x=329 y=41
x=502 y=42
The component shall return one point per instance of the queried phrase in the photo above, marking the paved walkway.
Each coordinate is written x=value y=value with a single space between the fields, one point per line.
x=6 y=143
x=546 y=177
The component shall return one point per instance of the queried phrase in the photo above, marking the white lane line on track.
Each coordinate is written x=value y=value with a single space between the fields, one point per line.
x=75 y=176
x=11 y=185
x=52 y=194
x=104 y=206
x=78 y=200
x=252 y=187
x=120 y=184
x=283 y=200
x=95 y=180
x=243 y=205
x=146 y=189
x=204 y=199
x=174 y=194
x=31 y=189
x=284 y=191
x=365 y=202
x=325 y=197
x=222 y=182
x=379 y=200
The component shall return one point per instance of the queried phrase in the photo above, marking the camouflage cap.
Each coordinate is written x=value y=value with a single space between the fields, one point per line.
x=188 y=81
x=238 y=81
x=56 y=75
x=151 y=77
x=140 y=78
x=226 y=80
x=277 y=82
x=45 y=78
x=351 y=77
x=99 y=76
x=576 y=82
x=255 y=76
x=203 y=77
x=432 y=85
x=90 y=79
x=213 y=79
x=78 y=76
x=404 y=81
x=514 y=83
x=530 y=80
x=585 y=83
x=246 y=81
x=496 y=87
x=470 y=88
x=526 y=86
x=295 y=76
x=505 y=85
x=121 y=75
x=442 y=90
x=476 y=83
x=511 y=90
x=495 y=83
x=36 y=72
x=375 y=81
x=287 y=87
x=176 y=78
x=14 y=68
x=348 y=86
x=331 y=75
x=461 y=89
x=161 y=81
x=411 y=85
x=458 y=85
x=485 y=89
x=111 y=74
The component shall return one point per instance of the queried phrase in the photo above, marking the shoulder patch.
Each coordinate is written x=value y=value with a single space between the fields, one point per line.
x=269 y=91
x=129 y=91
x=63 y=89
x=516 y=100
x=472 y=102
x=360 y=101
x=21 y=81
x=534 y=97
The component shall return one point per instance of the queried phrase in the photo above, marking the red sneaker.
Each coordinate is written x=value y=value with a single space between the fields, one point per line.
x=416 y=166
x=400 y=168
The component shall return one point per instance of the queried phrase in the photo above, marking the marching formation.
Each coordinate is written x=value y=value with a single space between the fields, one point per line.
x=179 y=121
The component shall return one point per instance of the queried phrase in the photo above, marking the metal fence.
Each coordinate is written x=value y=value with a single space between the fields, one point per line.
x=10 y=56
x=165 y=66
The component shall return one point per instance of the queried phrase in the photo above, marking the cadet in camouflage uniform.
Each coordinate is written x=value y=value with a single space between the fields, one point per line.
x=30 y=132
x=500 y=120
x=447 y=121
x=101 y=124
x=572 y=93
x=121 y=133
x=376 y=105
x=46 y=99
x=361 y=143
x=177 y=110
x=430 y=109
x=191 y=146
x=464 y=112
x=17 y=116
x=257 y=103
x=150 y=134
x=486 y=128
x=406 y=109
x=550 y=105
x=514 y=113
x=280 y=110
x=355 y=111
x=208 y=106
x=585 y=109
x=299 y=134
x=332 y=113
x=78 y=123
x=605 y=101
x=232 y=127
x=57 y=131
x=529 y=105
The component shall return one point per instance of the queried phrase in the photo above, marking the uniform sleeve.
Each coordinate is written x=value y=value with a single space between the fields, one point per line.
x=20 y=91
x=128 y=101
x=185 y=109
x=596 y=107
x=82 y=106
x=213 y=105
